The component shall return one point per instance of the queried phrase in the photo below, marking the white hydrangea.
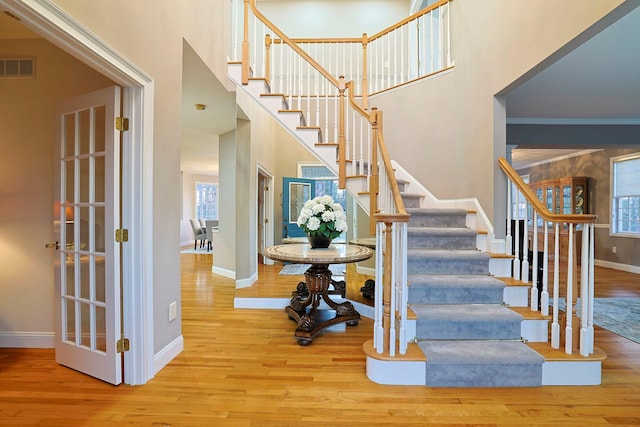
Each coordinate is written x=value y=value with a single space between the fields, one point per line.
x=323 y=215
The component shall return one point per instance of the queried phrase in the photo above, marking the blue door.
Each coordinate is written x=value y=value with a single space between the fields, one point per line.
x=296 y=191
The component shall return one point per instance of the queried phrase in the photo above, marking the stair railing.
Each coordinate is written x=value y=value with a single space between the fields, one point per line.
x=320 y=98
x=575 y=330
x=419 y=46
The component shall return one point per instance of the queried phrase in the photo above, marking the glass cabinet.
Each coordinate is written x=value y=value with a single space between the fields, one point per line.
x=567 y=195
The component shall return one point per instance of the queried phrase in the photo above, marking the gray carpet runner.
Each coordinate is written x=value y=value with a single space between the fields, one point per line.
x=469 y=338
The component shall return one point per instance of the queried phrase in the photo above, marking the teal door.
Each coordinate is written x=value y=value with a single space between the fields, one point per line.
x=296 y=191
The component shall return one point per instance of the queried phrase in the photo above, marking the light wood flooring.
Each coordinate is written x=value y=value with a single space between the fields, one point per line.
x=243 y=368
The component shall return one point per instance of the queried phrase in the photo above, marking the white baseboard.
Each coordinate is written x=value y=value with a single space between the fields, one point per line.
x=266 y=303
x=229 y=274
x=245 y=283
x=167 y=354
x=617 y=266
x=27 y=339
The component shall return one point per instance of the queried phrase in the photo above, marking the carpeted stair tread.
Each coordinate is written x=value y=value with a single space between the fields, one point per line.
x=481 y=364
x=441 y=238
x=455 y=289
x=466 y=321
x=439 y=261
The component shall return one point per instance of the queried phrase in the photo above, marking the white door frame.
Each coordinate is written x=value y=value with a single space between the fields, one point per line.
x=268 y=210
x=57 y=27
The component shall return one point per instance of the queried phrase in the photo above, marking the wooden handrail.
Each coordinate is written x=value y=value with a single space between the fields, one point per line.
x=384 y=154
x=537 y=204
x=292 y=45
x=408 y=19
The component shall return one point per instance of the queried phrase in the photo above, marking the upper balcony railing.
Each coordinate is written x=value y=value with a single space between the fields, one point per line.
x=419 y=46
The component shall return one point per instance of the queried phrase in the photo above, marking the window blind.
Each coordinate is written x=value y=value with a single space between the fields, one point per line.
x=627 y=177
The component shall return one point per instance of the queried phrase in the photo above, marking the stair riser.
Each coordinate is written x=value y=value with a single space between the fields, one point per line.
x=445 y=221
x=463 y=330
x=483 y=375
x=446 y=266
x=441 y=242
x=451 y=295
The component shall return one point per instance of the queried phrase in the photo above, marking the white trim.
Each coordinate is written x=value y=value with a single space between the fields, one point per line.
x=27 y=339
x=245 y=283
x=261 y=303
x=167 y=354
x=269 y=209
x=229 y=274
x=617 y=266
x=564 y=157
x=46 y=19
x=570 y=121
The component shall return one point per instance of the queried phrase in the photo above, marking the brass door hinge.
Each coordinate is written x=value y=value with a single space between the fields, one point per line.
x=122 y=124
x=122 y=235
x=122 y=345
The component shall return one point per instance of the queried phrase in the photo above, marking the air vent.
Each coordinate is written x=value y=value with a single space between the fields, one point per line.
x=12 y=68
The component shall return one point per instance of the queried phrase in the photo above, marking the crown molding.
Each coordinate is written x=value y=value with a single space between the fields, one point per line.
x=570 y=121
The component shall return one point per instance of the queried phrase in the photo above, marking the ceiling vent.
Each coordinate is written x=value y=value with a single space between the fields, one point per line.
x=12 y=68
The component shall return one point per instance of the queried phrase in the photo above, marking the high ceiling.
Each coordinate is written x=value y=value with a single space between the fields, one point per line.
x=596 y=83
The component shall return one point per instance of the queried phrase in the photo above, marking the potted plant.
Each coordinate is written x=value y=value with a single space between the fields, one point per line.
x=323 y=220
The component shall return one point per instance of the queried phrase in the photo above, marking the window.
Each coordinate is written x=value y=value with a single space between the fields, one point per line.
x=625 y=195
x=518 y=202
x=326 y=182
x=206 y=200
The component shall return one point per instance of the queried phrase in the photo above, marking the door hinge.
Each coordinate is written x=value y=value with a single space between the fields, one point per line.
x=122 y=345
x=122 y=124
x=122 y=235
x=266 y=220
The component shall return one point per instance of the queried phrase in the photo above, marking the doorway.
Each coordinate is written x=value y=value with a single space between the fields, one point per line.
x=137 y=93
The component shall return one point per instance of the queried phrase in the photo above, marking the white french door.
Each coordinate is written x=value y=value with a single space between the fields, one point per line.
x=87 y=206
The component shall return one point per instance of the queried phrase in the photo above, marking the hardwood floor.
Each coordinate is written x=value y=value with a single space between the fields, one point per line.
x=243 y=368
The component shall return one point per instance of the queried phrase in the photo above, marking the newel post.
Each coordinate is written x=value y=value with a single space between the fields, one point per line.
x=245 y=45
x=267 y=44
x=365 y=80
x=342 y=149
x=386 y=285
x=374 y=178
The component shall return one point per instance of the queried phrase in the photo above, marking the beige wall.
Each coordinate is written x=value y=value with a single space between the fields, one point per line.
x=27 y=120
x=444 y=131
x=333 y=18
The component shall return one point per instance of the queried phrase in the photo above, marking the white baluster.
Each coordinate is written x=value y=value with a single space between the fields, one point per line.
x=590 y=258
x=508 y=239
x=534 y=286
x=544 y=299
x=525 y=241
x=378 y=328
x=516 y=252
x=555 y=325
x=568 y=341
x=585 y=300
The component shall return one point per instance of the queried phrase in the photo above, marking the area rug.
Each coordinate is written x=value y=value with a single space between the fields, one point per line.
x=618 y=315
x=299 y=269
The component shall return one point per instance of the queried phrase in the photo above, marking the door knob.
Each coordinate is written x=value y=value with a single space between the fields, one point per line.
x=55 y=245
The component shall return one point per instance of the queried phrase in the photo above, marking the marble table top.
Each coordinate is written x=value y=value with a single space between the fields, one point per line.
x=302 y=253
x=369 y=242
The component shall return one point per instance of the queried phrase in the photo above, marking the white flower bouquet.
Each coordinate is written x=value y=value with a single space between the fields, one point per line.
x=323 y=217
